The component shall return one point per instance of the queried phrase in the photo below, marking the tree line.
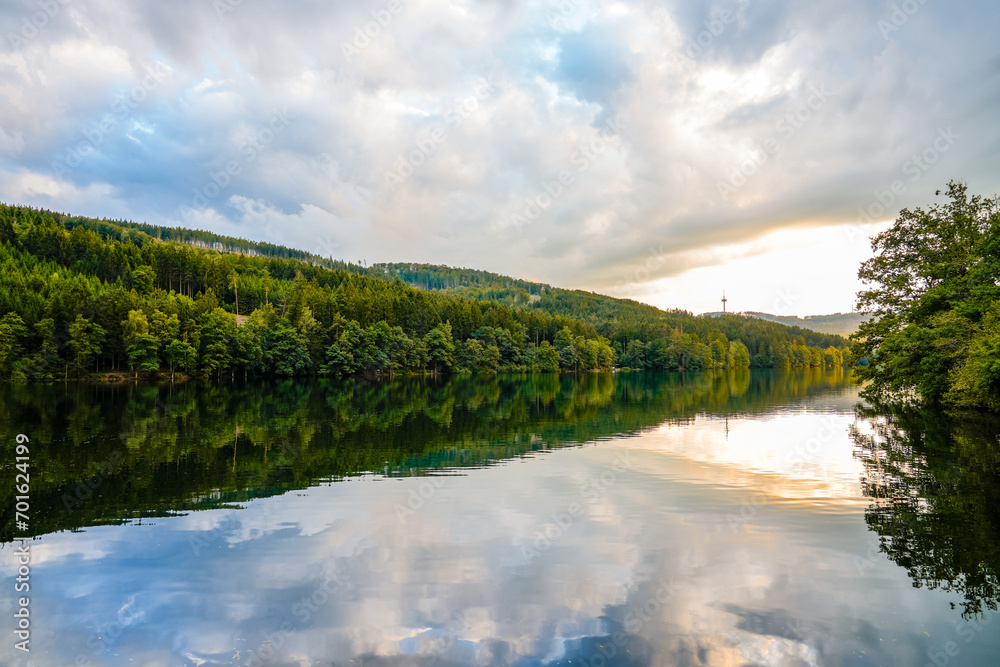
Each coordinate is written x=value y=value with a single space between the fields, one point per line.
x=80 y=296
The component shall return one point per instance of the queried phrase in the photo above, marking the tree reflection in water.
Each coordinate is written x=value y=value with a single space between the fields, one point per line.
x=934 y=481
x=108 y=454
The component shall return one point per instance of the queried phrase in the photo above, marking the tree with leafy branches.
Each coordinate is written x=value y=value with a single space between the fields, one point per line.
x=85 y=340
x=932 y=292
x=140 y=345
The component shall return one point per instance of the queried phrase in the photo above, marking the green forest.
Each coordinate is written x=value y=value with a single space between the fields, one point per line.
x=83 y=298
x=934 y=294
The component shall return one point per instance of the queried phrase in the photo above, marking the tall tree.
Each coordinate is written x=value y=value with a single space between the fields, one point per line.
x=181 y=354
x=218 y=329
x=12 y=330
x=932 y=279
x=140 y=345
x=85 y=340
x=440 y=347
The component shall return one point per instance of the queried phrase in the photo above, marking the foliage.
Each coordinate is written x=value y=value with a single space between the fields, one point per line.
x=11 y=333
x=85 y=340
x=737 y=355
x=140 y=345
x=181 y=354
x=101 y=296
x=934 y=285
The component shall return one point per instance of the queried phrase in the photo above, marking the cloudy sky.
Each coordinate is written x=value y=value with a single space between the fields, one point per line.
x=665 y=151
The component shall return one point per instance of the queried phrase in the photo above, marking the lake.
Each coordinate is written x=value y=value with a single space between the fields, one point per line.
x=760 y=518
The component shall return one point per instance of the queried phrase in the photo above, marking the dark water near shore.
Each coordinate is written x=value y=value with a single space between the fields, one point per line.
x=735 y=519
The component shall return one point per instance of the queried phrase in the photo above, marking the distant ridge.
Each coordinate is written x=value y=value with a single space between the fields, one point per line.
x=841 y=324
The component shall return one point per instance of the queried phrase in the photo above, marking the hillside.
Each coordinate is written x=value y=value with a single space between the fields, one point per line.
x=470 y=283
x=79 y=295
x=841 y=324
x=838 y=324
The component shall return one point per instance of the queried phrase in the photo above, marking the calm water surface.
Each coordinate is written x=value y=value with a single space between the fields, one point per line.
x=743 y=519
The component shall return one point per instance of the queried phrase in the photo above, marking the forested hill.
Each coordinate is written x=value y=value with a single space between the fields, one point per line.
x=79 y=295
x=141 y=234
x=467 y=282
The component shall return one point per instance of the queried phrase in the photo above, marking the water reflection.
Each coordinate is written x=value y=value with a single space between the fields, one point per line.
x=661 y=537
x=934 y=481
x=107 y=454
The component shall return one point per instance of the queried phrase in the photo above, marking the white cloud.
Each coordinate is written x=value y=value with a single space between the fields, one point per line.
x=690 y=123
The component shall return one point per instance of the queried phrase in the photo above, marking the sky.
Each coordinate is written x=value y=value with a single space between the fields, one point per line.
x=662 y=151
